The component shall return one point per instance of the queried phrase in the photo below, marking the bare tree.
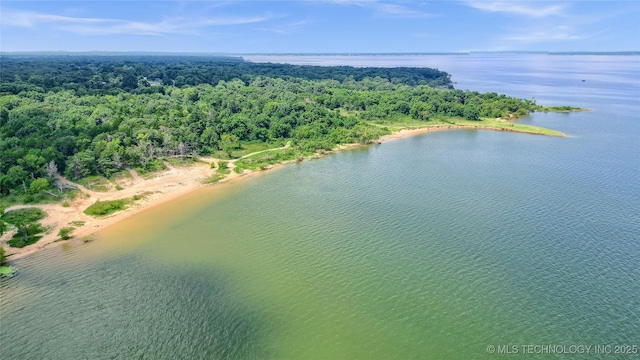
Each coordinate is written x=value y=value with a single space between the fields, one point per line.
x=58 y=184
x=52 y=170
x=117 y=162
x=182 y=148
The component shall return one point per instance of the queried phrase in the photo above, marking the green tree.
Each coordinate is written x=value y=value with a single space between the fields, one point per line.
x=471 y=112
x=2 y=255
x=38 y=185
x=81 y=164
x=3 y=227
x=228 y=143
x=65 y=233
x=420 y=111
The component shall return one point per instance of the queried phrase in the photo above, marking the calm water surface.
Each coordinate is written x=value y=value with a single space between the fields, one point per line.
x=429 y=247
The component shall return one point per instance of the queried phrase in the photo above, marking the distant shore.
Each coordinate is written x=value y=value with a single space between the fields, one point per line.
x=173 y=183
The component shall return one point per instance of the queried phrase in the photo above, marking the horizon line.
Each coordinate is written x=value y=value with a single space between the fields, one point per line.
x=190 y=53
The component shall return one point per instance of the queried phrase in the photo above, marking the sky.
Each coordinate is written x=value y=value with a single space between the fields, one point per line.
x=319 y=26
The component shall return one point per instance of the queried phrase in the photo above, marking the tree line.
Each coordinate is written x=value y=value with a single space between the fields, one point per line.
x=113 y=74
x=46 y=130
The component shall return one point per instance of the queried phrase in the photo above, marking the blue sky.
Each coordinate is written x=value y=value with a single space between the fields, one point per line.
x=320 y=26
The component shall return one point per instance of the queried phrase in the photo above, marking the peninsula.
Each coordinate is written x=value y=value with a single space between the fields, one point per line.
x=90 y=140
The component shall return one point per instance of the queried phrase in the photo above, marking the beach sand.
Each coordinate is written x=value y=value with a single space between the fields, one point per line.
x=163 y=187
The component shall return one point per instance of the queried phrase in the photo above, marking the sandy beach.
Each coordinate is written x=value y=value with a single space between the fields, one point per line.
x=163 y=187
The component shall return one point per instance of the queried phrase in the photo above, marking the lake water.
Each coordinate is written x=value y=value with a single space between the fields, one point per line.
x=430 y=247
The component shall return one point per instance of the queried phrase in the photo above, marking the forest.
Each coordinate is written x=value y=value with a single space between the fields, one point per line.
x=80 y=116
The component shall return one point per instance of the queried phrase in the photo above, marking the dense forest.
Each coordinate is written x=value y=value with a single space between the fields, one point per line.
x=81 y=116
x=112 y=74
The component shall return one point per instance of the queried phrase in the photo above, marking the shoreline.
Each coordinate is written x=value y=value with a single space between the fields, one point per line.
x=169 y=185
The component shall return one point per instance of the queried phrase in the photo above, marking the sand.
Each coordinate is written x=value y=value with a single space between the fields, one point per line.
x=163 y=187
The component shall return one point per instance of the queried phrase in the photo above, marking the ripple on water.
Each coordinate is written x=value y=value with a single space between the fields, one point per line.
x=439 y=244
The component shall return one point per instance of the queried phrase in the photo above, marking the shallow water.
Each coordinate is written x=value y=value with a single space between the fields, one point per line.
x=434 y=246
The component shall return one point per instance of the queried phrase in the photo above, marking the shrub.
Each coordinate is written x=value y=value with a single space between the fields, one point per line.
x=24 y=216
x=100 y=208
x=65 y=233
x=26 y=235
x=214 y=178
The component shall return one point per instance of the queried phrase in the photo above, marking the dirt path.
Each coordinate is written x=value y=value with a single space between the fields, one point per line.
x=134 y=175
x=262 y=151
x=165 y=185
x=77 y=186
x=162 y=187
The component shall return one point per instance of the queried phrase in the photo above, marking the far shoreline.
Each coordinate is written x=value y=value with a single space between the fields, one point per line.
x=174 y=183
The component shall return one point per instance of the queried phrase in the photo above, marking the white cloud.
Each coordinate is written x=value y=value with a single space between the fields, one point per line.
x=385 y=8
x=107 y=26
x=517 y=7
x=399 y=10
x=559 y=33
x=287 y=28
x=29 y=19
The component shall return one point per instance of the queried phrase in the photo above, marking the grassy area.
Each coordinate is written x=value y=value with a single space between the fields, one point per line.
x=561 y=109
x=77 y=223
x=10 y=200
x=268 y=158
x=220 y=174
x=27 y=235
x=529 y=129
x=403 y=123
x=119 y=178
x=95 y=183
x=29 y=230
x=42 y=198
x=142 y=195
x=185 y=161
x=488 y=123
x=214 y=178
x=101 y=208
x=246 y=148
x=152 y=167
x=499 y=124
x=65 y=233
x=223 y=171
x=7 y=271
x=23 y=216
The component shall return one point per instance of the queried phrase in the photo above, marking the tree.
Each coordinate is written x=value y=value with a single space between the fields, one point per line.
x=2 y=255
x=65 y=233
x=81 y=164
x=38 y=185
x=52 y=170
x=228 y=142
x=15 y=177
x=420 y=111
x=471 y=112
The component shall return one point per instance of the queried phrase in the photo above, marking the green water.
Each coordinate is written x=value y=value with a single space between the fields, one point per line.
x=428 y=247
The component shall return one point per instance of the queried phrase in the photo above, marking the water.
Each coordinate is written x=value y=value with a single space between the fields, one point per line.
x=434 y=246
